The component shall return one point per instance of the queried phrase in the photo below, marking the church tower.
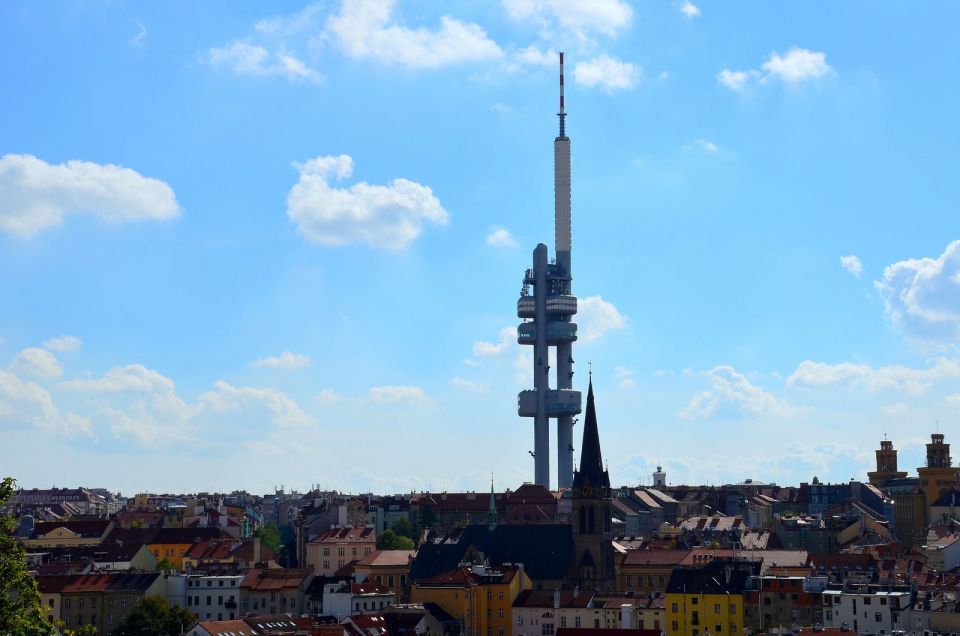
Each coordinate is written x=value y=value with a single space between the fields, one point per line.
x=939 y=474
x=886 y=465
x=592 y=565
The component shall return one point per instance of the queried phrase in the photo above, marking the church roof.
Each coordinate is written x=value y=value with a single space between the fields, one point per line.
x=591 y=459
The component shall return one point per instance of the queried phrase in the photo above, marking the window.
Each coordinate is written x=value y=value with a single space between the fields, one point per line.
x=563 y=621
x=883 y=601
x=719 y=628
x=221 y=582
x=716 y=608
x=576 y=621
x=879 y=617
x=80 y=603
x=326 y=565
x=546 y=629
x=326 y=552
x=867 y=600
x=694 y=600
x=209 y=583
x=674 y=625
x=500 y=596
x=733 y=608
x=209 y=600
x=341 y=551
x=674 y=608
x=66 y=603
x=520 y=621
x=489 y=595
x=500 y=613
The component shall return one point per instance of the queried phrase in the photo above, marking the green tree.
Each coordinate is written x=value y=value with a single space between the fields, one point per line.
x=403 y=527
x=390 y=540
x=166 y=564
x=270 y=536
x=155 y=617
x=20 y=609
x=428 y=518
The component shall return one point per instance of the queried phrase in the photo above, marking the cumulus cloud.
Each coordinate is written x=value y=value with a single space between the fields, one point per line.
x=688 y=9
x=132 y=378
x=286 y=360
x=35 y=195
x=37 y=363
x=366 y=29
x=484 y=349
x=608 y=73
x=389 y=216
x=244 y=58
x=395 y=394
x=922 y=295
x=795 y=66
x=596 y=316
x=624 y=377
x=887 y=378
x=852 y=264
x=63 y=343
x=30 y=404
x=732 y=394
x=228 y=398
x=469 y=385
x=583 y=19
x=500 y=237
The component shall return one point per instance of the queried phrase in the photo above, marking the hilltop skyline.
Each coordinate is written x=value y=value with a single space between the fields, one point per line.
x=241 y=248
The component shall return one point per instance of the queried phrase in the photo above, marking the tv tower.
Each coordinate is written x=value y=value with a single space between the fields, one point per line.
x=547 y=323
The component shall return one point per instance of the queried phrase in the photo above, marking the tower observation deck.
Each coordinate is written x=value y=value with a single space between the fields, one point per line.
x=547 y=310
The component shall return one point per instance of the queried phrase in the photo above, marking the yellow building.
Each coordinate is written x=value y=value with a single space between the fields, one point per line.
x=707 y=599
x=479 y=597
x=58 y=534
x=939 y=474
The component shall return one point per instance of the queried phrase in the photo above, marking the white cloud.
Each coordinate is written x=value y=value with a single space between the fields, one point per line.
x=735 y=80
x=608 y=73
x=63 y=343
x=922 y=296
x=471 y=363
x=500 y=237
x=286 y=25
x=703 y=144
x=874 y=380
x=732 y=394
x=228 y=398
x=140 y=39
x=852 y=264
x=624 y=377
x=483 y=349
x=469 y=385
x=132 y=378
x=689 y=10
x=31 y=404
x=389 y=216
x=328 y=395
x=606 y=17
x=286 y=360
x=38 y=363
x=244 y=58
x=35 y=195
x=366 y=29
x=596 y=316
x=795 y=66
x=395 y=394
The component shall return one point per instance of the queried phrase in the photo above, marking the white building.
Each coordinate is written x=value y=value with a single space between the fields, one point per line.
x=871 y=612
x=342 y=599
x=211 y=598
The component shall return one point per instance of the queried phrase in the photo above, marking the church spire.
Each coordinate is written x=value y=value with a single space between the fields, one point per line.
x=591 y=459
x=492 y=511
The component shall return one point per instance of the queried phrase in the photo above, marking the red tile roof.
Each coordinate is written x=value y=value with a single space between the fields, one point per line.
x=655 y=557
x=346 y=535
x=274 y=579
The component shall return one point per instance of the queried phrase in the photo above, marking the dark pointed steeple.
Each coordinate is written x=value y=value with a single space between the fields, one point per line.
x=591 y=459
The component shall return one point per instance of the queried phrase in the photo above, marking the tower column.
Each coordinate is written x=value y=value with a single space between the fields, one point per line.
x=541 y=371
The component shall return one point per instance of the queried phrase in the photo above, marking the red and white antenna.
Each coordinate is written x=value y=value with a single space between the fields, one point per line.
x=562 y=114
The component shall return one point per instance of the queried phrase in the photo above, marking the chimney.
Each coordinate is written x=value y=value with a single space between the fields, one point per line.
x=256 y=550
x=626 y=616
x=556 y=599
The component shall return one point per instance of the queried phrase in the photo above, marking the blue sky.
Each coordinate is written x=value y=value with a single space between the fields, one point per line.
x=244 y=246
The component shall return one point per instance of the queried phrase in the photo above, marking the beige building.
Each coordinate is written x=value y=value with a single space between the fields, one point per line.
x=331 y=550
x=390 y=568
x=274 y=591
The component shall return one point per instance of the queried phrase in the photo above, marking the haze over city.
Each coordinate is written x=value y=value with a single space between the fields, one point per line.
x=246 y=245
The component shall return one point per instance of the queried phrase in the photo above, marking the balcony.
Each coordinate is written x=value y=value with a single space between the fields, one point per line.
x=558 y=402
